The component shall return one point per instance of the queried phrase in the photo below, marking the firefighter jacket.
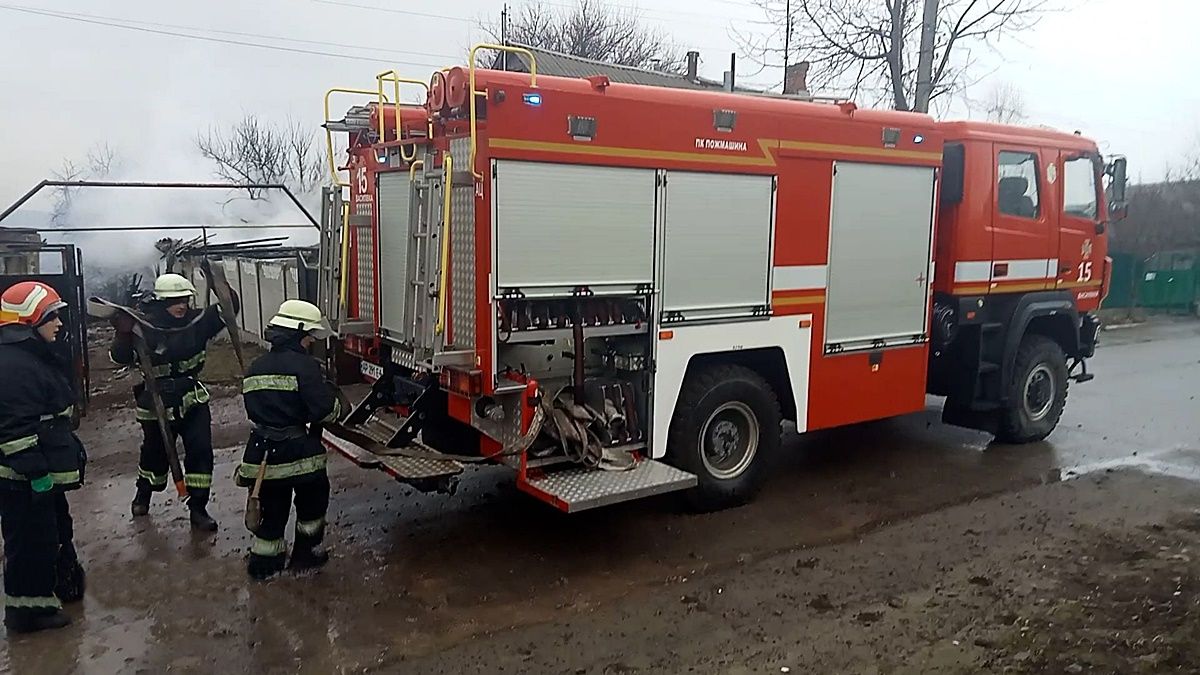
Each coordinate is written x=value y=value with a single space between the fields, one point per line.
x=36 y=409
x=288 y=400
x=176 y=358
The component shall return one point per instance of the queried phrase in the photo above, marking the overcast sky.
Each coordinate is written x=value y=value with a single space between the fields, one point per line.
x=1121 y=72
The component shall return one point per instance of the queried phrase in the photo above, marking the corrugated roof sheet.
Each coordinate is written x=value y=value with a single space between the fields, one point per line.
x=564 y=65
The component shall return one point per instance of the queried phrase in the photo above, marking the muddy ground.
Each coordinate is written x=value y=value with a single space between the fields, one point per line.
x=897 y=546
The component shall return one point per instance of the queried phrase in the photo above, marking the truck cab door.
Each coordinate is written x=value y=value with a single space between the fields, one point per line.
x=1023 y=221
x=1082 y=244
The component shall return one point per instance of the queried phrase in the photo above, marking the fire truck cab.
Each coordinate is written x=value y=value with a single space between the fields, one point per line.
x=622 y=290
x=1023 y=230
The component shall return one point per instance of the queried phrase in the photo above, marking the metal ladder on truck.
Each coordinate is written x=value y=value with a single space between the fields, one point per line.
x=372 y=435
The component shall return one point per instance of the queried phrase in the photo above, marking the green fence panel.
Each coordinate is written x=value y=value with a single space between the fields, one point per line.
x=1123 y=282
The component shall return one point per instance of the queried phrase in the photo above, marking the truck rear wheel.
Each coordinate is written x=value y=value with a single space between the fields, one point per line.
x=725 y=430
x=1037 y=393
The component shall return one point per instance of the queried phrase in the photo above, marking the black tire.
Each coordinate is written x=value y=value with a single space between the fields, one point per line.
x=1033 y=411
x=723 y=399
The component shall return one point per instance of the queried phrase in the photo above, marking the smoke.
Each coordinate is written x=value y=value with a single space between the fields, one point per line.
x=107 y=254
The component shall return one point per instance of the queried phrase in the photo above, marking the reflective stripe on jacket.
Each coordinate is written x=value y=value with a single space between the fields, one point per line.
x=36 y=405
x=285 y=390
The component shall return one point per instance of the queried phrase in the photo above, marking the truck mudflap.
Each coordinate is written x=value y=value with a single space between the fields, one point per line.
x=1089 y=333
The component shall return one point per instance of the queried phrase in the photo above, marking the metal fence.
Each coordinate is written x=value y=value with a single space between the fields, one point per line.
x=261 y=284
x=1167 y=281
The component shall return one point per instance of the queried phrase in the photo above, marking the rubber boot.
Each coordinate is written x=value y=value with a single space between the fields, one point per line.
x=19 y=621
x=70 y=582
x=308 y=558
x=201 y=520
x=307 y=552
x=141 y=502
x=262 y=568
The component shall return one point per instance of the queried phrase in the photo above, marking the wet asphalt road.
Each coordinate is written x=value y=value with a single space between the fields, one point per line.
x=416 y=573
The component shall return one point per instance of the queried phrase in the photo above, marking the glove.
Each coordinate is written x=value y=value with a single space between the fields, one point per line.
x=123 y=323
x=42 y=484
x=42 y=487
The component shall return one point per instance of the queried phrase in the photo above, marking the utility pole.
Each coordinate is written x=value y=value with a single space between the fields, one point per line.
x=504 y=35
x=925 y=61
x=787 y=41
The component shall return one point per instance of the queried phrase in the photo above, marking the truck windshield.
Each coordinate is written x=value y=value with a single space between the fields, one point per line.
x=1079 y=187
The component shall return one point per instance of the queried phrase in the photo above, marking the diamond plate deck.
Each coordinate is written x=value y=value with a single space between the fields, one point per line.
x=401 y=468
x=409 y=468
x=351 y=451
x=366 y=273
x=462 y=252
x=581 y=489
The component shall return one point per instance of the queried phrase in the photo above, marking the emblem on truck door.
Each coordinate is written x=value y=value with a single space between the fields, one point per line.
x=1086 y=249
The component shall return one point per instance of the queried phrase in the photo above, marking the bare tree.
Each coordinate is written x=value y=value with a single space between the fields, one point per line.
x=874 y=47
x=591 y=29
x=100 y=162
x=1164 y=216
x=255 y=151
x=1005 y=103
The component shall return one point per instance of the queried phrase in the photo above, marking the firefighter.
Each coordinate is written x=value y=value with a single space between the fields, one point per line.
x=288 y=400
x=40 y=459
x=177 y=354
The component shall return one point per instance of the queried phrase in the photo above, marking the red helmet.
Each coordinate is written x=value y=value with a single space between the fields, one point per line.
x=30 y=302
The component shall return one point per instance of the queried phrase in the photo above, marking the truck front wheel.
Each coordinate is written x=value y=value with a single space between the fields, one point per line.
x=725 y=430
x=1037 y=393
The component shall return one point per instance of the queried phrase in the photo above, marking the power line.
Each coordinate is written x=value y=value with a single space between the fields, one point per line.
x=204 y=38
x=395 y=11
x=200 y=29
x=668 y=14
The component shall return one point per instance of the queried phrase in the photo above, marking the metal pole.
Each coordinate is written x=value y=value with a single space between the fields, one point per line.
x=26 y=197
x=504 y=35
x=787 y=42
x=733 y=71
x=169 y=185
x=152 y=228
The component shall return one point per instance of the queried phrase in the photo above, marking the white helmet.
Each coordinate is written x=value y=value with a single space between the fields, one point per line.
x=172 y=286
x=302 y=316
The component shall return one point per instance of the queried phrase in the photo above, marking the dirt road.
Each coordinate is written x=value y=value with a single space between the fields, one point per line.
x=874 y=549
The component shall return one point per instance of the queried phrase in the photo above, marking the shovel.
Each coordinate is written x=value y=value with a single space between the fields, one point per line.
x=160 y=413
x=215 y=277
x=253 y=506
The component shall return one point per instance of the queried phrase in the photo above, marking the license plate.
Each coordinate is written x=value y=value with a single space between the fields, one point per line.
x=371 y=370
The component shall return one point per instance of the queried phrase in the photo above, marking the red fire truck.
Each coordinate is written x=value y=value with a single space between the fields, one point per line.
x=622 y=290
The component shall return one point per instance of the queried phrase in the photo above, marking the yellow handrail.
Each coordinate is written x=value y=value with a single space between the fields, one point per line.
x=333 y=170
x=394 y=77
x=412 y=169
x=472 y=93
x=444 y=272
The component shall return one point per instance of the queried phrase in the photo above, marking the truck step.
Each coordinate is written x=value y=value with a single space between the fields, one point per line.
x=377 y=429
x=404 y=469
x=988 y=367
x=352 y=452
x=580 y=489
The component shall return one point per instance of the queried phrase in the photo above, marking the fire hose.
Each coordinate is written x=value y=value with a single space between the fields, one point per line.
x=572 y=426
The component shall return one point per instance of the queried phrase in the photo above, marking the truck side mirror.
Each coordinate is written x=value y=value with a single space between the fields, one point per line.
x=1116 y=170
